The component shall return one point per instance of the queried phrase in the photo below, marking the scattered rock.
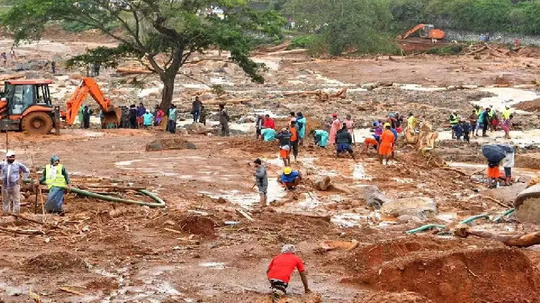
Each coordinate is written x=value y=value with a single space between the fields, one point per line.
x=421 y=207
x=373 y=196
x=198 y=128
x=165 y=144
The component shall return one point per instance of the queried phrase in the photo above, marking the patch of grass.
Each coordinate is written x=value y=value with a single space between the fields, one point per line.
x=447 y=50
x=301 y=42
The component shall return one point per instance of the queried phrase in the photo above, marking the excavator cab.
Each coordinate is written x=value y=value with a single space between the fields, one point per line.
x=27 y=104
x=424 y=32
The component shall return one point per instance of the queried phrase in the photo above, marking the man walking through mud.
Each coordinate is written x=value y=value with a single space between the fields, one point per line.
x=11 y=188
x=280 y=270
x=57 y=179
x=224 y=121
x=261 y=179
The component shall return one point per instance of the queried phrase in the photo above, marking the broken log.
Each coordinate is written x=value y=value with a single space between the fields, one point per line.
x=71 y=291
x=508 y=240
x=245 y=215
x=11 y=77
x=483 y=48
x=230 y=101
x=133 y=71
x=332 y=245
x=496 y=201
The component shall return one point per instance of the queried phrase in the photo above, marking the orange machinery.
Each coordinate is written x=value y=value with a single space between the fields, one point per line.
x=427 y=31
x=27 y=104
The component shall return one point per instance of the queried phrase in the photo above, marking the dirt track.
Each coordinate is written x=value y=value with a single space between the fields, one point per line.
x=201 y=249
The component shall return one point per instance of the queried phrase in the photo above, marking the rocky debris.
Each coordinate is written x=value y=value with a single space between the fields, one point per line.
x=391 y=297
x=421 y=207
x=322 y=182
x=372 y=196
x=198 y=128
x=165 y=144
x=31 y=65
x=56 y=261
x=198 y=225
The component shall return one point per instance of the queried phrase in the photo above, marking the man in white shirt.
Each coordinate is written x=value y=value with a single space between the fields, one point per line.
x=11 y=171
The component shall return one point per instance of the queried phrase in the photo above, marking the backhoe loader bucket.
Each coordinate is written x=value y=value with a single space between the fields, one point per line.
x=527 y=205
x=112 y=118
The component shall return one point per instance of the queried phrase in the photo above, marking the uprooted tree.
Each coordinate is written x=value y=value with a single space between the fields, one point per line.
x=162 y=34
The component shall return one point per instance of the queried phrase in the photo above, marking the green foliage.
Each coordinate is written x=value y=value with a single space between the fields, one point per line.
x=301 y=41
x=104 y=56
x=447 y=50
x=150 y=29
x=342 y=25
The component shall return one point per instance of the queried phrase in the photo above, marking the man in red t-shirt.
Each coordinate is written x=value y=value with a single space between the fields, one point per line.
x=280 y=270
x=269 y=123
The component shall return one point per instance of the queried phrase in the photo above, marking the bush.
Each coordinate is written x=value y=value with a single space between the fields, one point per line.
x=301 y=41
x=447 y=50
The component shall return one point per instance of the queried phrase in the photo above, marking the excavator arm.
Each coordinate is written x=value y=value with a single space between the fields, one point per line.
x=87 y=86
x=413 y=30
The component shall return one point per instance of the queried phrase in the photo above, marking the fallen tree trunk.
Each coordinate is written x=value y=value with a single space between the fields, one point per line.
x=133 y=71
x=483 y=48
x=508 y=240
x=230 y=101
x=11 y=77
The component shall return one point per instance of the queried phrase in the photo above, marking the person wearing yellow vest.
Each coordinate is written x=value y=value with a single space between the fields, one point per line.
x=57 y=179
x=454 y=120
x=506 y=113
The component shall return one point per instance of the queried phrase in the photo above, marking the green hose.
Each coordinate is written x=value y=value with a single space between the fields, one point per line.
x=469 y=220
x=506 y=213
x=159 y=202
x=425 y=227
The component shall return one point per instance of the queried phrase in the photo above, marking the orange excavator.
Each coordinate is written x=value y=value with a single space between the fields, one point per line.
x=427 y=31
x=27 y=105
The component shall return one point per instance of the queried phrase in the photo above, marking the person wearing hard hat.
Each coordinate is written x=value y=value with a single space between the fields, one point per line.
x=11 y=188
x=386 y=143
x=57 y=179
x=290 y=178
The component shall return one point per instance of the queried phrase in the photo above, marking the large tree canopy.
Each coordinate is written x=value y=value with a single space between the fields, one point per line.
x=161 y=33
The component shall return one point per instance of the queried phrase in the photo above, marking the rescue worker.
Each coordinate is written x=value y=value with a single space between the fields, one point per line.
x=224 y=120
x=386 y=143
x=269 y=122
x=268 y=134
x=294 y=139
x=80 y=116
x=290 y=178
x=506 y=113
x=301 y=125
x=196 y=109
x=57 y=179
x=259 y=125
x=284 y=138
x=334 y=127
x=320 y=137
x=87 y=112
x=412 y=122
x=344 y=141
x=148 y=118
x=202 y=116
x=132 y=117
x=280 y=270
x=473 y=121
x=171 y=122
x=484 y=117
x=454 y=120
x=261 y=179
x=11 y=188
x=508 y=163
x=369 y=142
x=350 y=125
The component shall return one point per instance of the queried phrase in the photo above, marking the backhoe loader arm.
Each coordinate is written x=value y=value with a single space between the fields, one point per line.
x=413 y=30
x=87 y=86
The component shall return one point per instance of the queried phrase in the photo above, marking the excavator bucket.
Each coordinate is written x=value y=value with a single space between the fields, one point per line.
x=112 y=118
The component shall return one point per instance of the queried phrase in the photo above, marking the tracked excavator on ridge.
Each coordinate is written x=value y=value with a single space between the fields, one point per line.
x=28 y=106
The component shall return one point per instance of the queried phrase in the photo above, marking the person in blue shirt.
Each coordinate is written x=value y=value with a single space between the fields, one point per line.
x=290 y=178
x=320 y=137
x=268 y=134
x=301 y=124
x=148 y=119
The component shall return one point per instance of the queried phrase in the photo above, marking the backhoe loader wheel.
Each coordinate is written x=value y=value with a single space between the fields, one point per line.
x=37 y=123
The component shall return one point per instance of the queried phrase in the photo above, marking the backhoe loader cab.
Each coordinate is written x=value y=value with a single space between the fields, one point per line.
x=27 y=104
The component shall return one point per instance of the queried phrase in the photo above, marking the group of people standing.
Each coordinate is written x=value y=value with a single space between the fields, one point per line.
x=141 y=117
x=483 y=120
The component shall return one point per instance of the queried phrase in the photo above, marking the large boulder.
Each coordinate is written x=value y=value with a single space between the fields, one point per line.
x=422 y=207
x=373 y=196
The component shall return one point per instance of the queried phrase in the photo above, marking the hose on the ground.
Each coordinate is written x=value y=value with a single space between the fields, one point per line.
x=469 y=220
x=466 y=221
x=159 y=202
x=425 y=227
x=506 y=213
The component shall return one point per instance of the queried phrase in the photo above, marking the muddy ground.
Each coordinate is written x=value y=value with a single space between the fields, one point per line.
x=200 y=248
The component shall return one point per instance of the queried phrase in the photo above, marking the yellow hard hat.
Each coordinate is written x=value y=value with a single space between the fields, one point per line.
x=287 y=170
x=387 y=125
